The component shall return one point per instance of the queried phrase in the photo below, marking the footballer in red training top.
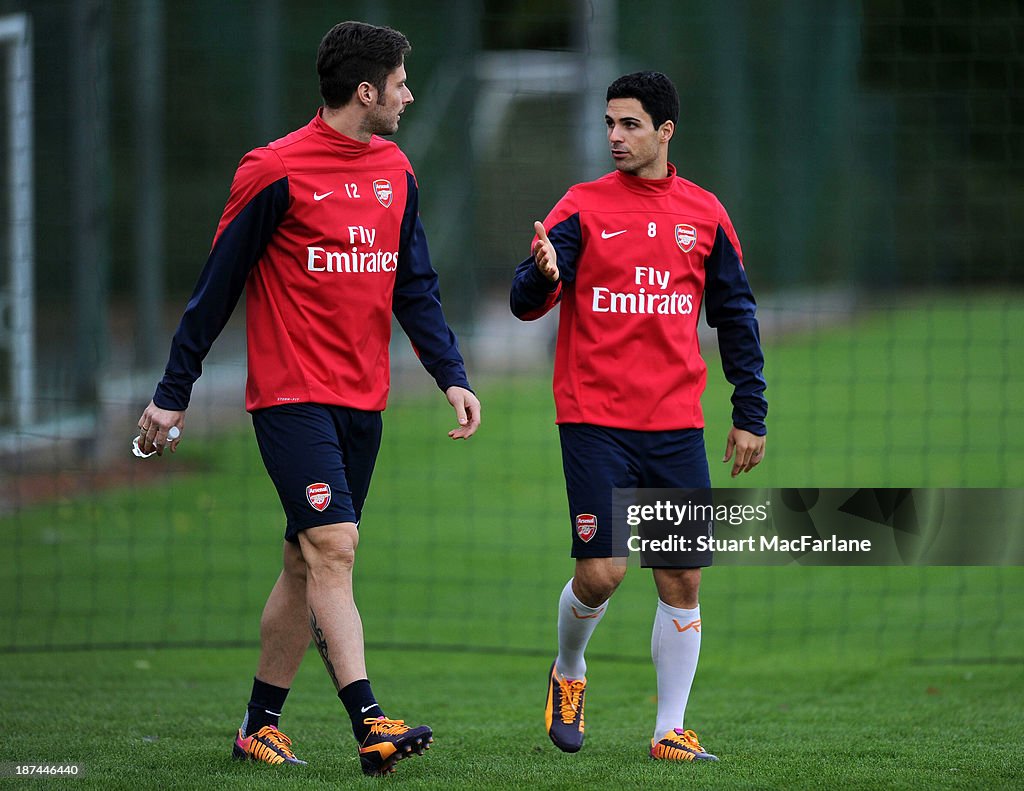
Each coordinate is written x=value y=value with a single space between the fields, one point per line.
x=631 y=257
x=322 y=231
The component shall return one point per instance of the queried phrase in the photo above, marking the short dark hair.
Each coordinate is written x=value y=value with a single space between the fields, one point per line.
x=355 y=52
x=655 y=92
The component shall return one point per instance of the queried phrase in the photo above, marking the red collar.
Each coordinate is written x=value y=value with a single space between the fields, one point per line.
x=648 y=186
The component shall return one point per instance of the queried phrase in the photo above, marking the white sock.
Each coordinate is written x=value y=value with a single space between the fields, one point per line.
x=675 y=646
x=576 y=622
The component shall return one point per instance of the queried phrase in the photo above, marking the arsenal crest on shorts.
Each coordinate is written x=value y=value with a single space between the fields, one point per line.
x=586 y=526
x=319 y=495
x=382 y=189
x=686 y=237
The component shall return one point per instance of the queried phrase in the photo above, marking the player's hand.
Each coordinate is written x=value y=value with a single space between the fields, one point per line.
x=748 y=448
x=467 y=411
x=154 y=425
x=544 y=255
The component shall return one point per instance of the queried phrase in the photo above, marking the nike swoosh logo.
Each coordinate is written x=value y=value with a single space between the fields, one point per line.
x=365 y=709
x=317 y=196
x=606 y=235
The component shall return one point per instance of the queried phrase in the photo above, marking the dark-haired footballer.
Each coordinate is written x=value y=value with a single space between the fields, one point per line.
x=322 y=229
x=631 y=257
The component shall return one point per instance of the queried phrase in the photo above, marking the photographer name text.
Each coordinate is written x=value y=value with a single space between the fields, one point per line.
x=749 y=544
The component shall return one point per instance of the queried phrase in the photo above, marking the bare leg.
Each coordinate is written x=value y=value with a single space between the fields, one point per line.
x=678 y=587
x=330 y=553
x=596 y=579
x=284 y=627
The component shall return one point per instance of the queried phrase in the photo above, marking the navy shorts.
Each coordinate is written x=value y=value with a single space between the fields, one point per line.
x=320 y=458
x=598 y=460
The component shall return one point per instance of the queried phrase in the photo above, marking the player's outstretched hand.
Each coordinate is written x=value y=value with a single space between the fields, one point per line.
x=544 y=255
x=154 y=425
x=467 y=410
x=749 y=450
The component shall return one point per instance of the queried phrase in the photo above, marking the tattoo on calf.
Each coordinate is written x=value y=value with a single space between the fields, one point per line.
x=321 y=646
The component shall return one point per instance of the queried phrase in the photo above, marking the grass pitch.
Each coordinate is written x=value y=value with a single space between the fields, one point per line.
x=809 y=677
x=163 y=719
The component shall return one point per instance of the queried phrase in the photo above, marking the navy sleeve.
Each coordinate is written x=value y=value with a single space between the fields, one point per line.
x=532 y=294
x=235 y=253
x=417 y=302
x=730 y=308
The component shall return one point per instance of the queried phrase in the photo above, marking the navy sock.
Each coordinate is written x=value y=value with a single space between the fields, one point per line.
x=360 y=704
x=264 y=708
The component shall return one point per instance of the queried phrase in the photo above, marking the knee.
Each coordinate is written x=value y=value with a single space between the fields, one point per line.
x=328 y=553
x=688 y=582
x=689 y=592
x=678 y=587
x=294 y=563
x=333 y=559
x=594 y=583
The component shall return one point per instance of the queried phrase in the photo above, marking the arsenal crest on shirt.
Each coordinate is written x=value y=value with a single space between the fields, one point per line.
x=686 y=237
x=382 y=189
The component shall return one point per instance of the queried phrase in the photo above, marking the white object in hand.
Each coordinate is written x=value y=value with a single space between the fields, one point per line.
x=172 y=434
x=137 y=451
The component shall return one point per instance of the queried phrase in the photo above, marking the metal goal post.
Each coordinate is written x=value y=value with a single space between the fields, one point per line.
x=17 y=313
